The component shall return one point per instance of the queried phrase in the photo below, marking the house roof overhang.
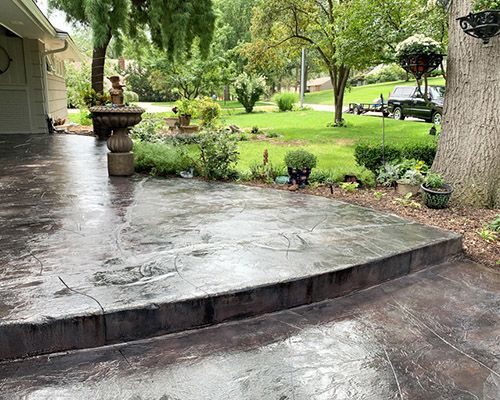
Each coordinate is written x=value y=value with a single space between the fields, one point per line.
x=26 y=20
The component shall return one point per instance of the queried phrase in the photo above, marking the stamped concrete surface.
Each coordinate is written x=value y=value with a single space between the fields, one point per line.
x=156 y=255
x=432 y=335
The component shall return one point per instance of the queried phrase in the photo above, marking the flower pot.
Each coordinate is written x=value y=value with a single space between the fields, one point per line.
x=184 y=119
x=434 y=198
x=172 y=122
x=405 y=188
x=299 y=176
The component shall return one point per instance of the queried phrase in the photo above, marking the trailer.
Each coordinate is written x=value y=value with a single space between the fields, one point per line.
x=363 y=108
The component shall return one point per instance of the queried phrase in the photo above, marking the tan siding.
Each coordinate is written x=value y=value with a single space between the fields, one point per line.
x=57 y=96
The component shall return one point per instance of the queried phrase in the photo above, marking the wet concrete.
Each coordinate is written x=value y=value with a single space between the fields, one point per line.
x=432 y=335
x=87 y=260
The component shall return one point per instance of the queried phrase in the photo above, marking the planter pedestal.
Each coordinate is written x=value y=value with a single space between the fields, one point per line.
x=120 y=164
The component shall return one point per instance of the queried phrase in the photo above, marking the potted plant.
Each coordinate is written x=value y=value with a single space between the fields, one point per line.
x=419 y=55
x=436 y=192
x=91 y=99
x=299 y=164
x=186 y=109
x=410 y=182
x=484 y=20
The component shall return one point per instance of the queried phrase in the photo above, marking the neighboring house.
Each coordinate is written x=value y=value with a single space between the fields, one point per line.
x=32 y=54
x=322 y=83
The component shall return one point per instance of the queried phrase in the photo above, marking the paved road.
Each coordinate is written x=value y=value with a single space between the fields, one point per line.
x=428 y=336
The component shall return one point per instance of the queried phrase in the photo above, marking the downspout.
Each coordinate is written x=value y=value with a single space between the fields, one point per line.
x=45 y=54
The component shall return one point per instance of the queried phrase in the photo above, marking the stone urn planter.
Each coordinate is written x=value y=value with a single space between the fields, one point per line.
x=437 y=198
x=405 y=188
x=119 y=120
x=184 y=119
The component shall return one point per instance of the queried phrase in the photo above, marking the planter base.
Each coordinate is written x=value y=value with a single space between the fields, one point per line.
x=120 y=164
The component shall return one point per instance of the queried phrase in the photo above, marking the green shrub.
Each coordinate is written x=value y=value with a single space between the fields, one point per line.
x=300 y=159
x=387 y=73
x=433 y=181
x=85 y=117
x=208 y=111
x=160 y=159
x=388 y=174
x=272 y=135
x=370 y=155
x=285 y=100
x=130 y=97
x=148 y=130
x=266 y=172
x=249 y=89
x=186 y=107
x=365 y=177
x=218 y=154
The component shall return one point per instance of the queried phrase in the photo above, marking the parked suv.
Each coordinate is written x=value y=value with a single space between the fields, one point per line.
x=407 y=101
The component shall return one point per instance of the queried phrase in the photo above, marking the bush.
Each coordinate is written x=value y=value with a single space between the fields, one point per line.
x=285 y=100
x=364 y=176
x=148 y=130
x=248 y=90
x=160 y=159
x=218 y=154
x=186 y=107
x=387 y=73
x=209 y=111
x=370 y=155
x=300 y=159
x=130 y=97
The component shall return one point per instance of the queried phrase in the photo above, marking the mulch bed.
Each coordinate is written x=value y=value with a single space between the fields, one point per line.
x=466 y=221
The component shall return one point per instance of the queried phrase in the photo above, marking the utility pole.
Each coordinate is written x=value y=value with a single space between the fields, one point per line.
x=302 y=77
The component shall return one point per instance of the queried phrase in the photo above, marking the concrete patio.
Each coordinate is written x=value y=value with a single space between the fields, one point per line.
x=432 y=335
x=87 y=260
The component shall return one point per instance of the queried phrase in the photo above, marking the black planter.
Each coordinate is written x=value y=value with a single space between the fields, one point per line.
x=482 y=25
x=437 y=199
x=299 y=176
x=420 y=64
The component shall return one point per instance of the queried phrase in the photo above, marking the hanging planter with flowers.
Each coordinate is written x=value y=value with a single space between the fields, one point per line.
x=419 y=55
x=484 y=20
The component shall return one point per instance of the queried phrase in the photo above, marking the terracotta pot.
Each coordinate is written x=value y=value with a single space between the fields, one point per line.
x=185 y=120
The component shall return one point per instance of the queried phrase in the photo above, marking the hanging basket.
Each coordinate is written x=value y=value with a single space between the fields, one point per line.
x=420 y=64
x=482 y=25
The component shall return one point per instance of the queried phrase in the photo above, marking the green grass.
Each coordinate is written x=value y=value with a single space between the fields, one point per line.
x=334 y=147
x=225 y=105
x=363 y=94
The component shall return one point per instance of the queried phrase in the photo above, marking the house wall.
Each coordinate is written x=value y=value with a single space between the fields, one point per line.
x=56 y=88
x=22 y=89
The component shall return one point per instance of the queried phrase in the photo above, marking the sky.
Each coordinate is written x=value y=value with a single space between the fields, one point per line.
x=56 y=18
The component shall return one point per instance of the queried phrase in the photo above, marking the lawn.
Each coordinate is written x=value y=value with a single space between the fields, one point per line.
x=363 y=94
x=334 y=147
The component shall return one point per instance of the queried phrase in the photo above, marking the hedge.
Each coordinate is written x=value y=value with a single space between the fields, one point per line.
x=369 y=155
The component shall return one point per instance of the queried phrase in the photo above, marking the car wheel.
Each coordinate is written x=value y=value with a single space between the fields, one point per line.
x=398 y=114
x=436 y=118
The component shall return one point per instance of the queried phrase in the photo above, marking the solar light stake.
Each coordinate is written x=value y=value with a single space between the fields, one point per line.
x=383 y=127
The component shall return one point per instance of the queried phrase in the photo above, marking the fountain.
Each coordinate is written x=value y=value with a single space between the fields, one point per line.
x=119 y=118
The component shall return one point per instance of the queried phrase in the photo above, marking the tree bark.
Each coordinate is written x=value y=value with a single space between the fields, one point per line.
x=468 y=153
x=339 y=77
x=98 y=60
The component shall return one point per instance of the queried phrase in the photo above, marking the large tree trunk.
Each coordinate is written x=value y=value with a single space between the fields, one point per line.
x=98 y=60
x=469 y=147
x=339 y=77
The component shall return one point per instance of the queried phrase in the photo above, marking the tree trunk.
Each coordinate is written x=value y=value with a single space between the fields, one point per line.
x=339 y=77
x=227 y=94
x=98 y=60
x=468 y=154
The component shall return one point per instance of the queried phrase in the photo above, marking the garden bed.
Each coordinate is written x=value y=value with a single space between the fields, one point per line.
x=467 y=221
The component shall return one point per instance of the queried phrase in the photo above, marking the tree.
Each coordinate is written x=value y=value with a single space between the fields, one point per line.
x=172 y=24
x=469 y=146
x=322 y=26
